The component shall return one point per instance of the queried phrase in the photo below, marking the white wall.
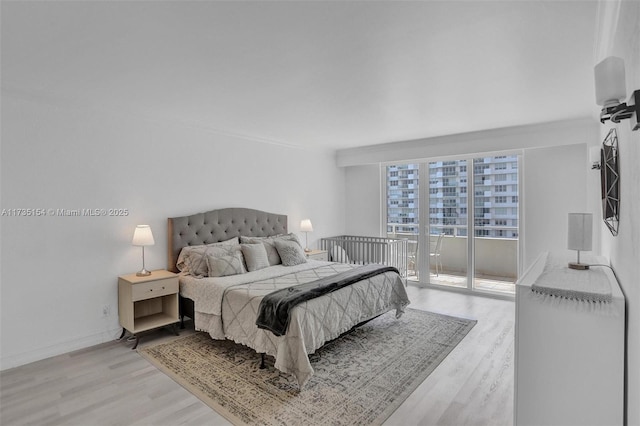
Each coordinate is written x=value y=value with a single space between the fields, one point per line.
x=565 y=132
x=623 y=252
x=58 y=272
x=363 y=200
x=621 y=38
x=554 y=186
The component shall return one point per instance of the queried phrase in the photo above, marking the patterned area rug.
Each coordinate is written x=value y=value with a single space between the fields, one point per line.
x=360 y=378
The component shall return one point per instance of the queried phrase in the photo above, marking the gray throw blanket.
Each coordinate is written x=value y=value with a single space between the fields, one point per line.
x=275 y=307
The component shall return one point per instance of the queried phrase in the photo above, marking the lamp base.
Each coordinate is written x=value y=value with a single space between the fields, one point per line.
x=143 y=273
x=578 y=266
x=307 y=250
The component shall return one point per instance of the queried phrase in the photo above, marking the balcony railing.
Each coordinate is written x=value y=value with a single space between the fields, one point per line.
x=494 y=257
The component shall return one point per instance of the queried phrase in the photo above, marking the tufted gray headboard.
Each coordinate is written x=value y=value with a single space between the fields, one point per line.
x=219 y=225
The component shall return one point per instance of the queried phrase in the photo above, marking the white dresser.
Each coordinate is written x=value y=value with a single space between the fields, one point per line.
x=569 y=354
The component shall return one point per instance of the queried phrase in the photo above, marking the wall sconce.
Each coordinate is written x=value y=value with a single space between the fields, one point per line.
x=611 y=90
x=579 y=238
x=142 y=237
x=306 y=227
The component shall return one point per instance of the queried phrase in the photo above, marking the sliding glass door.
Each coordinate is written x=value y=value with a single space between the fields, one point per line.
x=447 y=258
x=495 y=223
x=461 y=219
x=403 y=208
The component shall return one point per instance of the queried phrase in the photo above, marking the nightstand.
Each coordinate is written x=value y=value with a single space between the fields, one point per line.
x=146 y=303
x=318 y=255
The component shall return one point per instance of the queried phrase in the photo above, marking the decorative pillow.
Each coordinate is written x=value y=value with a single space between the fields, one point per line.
x=181 y=264
x=222 y=266
x=272 y=252
x=196 y=260
x=290 y=252
x=339 y=255
x=255 y=256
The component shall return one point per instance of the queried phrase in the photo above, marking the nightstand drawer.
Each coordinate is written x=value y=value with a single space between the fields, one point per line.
x=318 y=255
x=142 y=291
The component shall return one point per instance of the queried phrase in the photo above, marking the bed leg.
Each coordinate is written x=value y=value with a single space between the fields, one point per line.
x=262 y=364
x=181 y=322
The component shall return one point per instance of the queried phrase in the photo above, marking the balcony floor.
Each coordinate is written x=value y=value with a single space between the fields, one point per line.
x=499 y=285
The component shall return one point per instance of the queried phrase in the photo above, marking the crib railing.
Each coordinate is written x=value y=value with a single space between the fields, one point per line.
x=363 y=250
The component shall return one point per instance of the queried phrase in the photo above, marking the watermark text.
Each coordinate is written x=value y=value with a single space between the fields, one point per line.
x=62 y=212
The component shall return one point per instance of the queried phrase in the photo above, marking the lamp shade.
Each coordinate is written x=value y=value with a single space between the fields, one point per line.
x=610 y=81
x=580 y=231
x=142 y=236
x=306 y=226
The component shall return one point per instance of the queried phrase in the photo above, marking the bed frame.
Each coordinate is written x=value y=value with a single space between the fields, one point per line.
x=215 y=226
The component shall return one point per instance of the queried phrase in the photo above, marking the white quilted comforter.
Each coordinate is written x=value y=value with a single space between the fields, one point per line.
x=227 y=307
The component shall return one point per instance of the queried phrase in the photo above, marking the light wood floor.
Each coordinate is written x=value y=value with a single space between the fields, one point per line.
x=110 y=384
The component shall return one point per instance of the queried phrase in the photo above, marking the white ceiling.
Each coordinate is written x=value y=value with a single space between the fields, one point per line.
x=327 y=74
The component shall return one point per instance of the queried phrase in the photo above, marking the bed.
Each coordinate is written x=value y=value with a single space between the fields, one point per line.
x=228 y=306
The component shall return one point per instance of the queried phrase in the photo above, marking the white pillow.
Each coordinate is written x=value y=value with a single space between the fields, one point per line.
x=339 y=255
x=255 y=256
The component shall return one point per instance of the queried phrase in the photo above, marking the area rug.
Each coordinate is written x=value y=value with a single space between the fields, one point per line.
x=360 y=378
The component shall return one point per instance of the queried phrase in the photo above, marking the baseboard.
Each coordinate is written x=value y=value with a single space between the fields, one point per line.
x=13 y=361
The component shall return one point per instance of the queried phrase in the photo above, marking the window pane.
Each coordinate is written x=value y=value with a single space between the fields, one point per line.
x=402 y=199
x=448 y=216
x=495 y=224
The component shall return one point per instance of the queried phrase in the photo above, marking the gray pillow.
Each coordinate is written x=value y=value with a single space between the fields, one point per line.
x=290 y=252
x=255 y=256
x=181 y=262
x=196 y=260
x=272 y=252
x=222 y=266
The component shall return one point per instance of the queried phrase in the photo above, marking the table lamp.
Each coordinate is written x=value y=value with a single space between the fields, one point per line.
x=142 y=237
x=580 y=230
x=306 y=227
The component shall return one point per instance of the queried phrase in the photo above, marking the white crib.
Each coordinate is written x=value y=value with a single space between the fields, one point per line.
x=363 y=250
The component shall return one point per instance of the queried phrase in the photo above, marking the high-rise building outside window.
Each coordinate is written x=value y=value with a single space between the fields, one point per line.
x=495 y=203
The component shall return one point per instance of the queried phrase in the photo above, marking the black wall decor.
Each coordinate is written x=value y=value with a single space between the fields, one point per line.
x=610 y=181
